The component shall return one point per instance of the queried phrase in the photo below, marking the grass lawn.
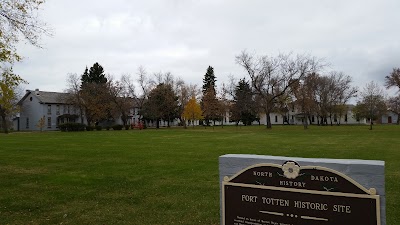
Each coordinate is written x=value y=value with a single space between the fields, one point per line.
x=165 y=176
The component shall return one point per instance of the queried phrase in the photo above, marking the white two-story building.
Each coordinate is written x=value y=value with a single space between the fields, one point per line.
x=51 y=107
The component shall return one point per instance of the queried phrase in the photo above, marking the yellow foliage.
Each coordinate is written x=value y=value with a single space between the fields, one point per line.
x=192 y=110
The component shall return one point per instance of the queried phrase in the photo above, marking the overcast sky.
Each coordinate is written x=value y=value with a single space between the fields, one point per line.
x=360 y=38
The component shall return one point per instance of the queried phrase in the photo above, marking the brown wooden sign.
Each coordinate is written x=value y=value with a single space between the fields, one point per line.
x=270 y=194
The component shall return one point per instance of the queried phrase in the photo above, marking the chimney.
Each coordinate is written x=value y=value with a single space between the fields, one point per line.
x=37 y=91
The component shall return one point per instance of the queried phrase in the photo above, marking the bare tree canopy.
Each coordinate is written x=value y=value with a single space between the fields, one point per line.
x=394 y=106
x=393 y=80
x=272 y=77
x=372 y=104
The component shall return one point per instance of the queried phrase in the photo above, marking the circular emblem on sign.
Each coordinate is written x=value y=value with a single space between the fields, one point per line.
x=291 y=170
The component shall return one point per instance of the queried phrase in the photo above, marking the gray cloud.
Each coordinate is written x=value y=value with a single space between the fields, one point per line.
x=359 y=38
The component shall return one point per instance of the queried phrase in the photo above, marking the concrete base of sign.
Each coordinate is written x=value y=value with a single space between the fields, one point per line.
x=369 y=173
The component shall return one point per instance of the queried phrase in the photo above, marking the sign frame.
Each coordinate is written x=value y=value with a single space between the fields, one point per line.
x=367 y=193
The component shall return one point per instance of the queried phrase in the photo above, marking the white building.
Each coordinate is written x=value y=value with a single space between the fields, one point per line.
x=389 y=118
x=51 y=106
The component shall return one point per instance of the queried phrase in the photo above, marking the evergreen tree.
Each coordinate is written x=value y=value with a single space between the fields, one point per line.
x=95 y=94
x=94 y=75
x=209 y=80
x=244 y=107
x=209 y=103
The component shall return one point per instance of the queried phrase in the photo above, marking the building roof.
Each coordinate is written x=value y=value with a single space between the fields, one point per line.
x=46 y=97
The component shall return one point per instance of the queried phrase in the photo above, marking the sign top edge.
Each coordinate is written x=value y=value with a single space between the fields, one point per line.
x=307 y=160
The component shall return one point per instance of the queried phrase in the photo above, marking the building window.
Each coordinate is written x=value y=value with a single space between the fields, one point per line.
x=64 y=109
x=276 y=119
x=30 y=99
x=68 y=109
x=57 y=109
x=345 y=118
x=49 y=109
x=27 y=123
x=48 y=122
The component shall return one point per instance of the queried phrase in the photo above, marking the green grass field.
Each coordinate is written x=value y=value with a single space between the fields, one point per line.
x=165 y=176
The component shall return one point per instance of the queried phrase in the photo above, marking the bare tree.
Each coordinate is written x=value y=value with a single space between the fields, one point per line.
x=121 y=98
x=327 y=96
x=184 y=92
x=342 y=92
x=161 y=104
x=75 y=96
x=272 y=77
x=211 y=106
x=322 y=98
x=224 y=104
x=394 y=106
x=145 y=85
x=372 y=104
x=305 y=94
x=393 y=79
x=333 y=92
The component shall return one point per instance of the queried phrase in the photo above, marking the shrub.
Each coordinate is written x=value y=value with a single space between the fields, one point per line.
x=126 y=127
x=72 y=127
x=117 y=127
x=89 y=128
x=98 y=127
x=108 y=127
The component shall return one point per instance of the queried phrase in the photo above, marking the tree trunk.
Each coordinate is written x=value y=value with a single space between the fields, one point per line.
x=158 y=123
x=269 y=125
x=370 y=124
x=305 y=123
x=81 y=112
x=124 y=120
x=184 y=123
x=4 y=120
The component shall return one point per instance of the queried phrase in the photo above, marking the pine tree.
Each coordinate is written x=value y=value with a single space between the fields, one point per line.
x=244 y=108
x=95 y=93
x=209 y=80
x=94 y=75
